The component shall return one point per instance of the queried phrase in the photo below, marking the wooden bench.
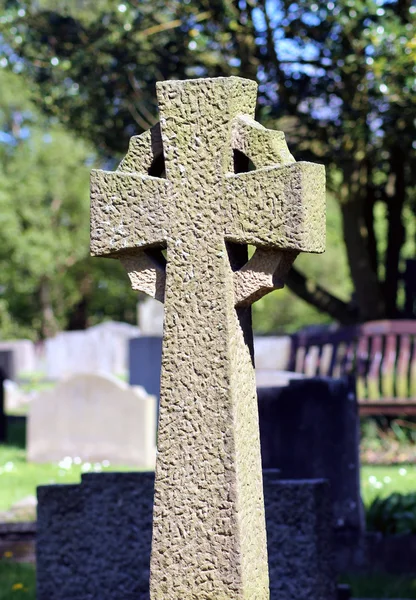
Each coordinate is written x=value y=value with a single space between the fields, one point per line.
x=380 y=354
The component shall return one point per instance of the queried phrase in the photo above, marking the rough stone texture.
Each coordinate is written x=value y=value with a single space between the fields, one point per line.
x=309 y=430
x=299 y=538
x=95 y=418
x=209 y=537
x=93 y=539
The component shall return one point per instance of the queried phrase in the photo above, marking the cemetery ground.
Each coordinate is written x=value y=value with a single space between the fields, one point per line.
x=19 y=480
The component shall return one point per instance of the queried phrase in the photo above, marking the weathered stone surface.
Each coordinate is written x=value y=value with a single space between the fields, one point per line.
x=95 y=418
x=209 y=537
x=94 y=541
x=299 y=536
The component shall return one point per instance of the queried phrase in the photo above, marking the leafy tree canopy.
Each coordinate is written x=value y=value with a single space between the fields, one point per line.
x=337 y=76
x=44 y=204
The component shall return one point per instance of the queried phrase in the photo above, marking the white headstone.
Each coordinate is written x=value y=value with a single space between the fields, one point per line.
x=24 y=355
x=99 y=349
x=95 y=418
x=150 y=317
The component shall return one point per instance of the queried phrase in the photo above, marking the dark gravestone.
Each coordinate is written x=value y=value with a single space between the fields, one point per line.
x=299 y=539
x=7 y=363
x=310 y=430
x=94 y=539
x=145 y=363
x=6 y=372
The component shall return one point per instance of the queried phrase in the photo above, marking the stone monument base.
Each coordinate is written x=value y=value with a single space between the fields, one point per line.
x=94 y=539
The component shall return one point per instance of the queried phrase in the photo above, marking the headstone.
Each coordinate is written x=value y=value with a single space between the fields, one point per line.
x=209 y=538
x=310 y=430
x=299 y=537
x=145 y=355
x=24 y=356
x=6 y=372
x=150 y=317
x=99 y=349
x=94 y=539
x=272 y=352
x=7 y=364
x=94 y=418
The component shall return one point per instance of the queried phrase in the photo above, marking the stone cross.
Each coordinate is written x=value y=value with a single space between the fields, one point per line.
x=179 y=213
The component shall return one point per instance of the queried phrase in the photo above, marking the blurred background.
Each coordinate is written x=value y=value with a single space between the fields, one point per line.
x=77 y=80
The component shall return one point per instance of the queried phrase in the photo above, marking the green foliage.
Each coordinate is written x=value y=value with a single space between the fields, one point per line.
x=44 y=202
x=395 y=514
x=337 y=77
x=18 y=580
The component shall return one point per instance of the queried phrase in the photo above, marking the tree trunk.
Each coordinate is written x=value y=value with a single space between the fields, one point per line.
x=396 y=234
x=368 y=292
x=49 y=325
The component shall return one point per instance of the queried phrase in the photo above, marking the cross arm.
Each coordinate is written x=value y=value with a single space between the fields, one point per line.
x=278 y=207
x=128 y=211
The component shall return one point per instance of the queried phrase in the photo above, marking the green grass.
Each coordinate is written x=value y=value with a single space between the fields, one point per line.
x=17 y=581
x=378 y=480
x=381 y=586
x=19 y=479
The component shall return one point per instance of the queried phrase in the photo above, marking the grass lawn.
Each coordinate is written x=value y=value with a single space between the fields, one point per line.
x=381 y=586
x=19 y=479
x=17 y=581
x=380 y=480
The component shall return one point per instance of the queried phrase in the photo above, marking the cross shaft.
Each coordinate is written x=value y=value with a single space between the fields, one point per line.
x=209 y=540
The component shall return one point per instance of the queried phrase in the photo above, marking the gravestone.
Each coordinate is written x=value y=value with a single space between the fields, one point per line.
x=24 y=356
x=6 y=372
x=94 y=539
x=145 y=354
x=310 y=430
x=271 y=359
x=209 y=538
x=99 y=349
x=300 y=542
x=95 y=418
x=150 y=317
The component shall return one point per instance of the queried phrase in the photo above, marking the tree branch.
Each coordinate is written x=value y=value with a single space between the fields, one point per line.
x=320 y=298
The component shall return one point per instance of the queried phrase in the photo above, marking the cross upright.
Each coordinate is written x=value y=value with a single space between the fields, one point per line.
x=179 y=213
